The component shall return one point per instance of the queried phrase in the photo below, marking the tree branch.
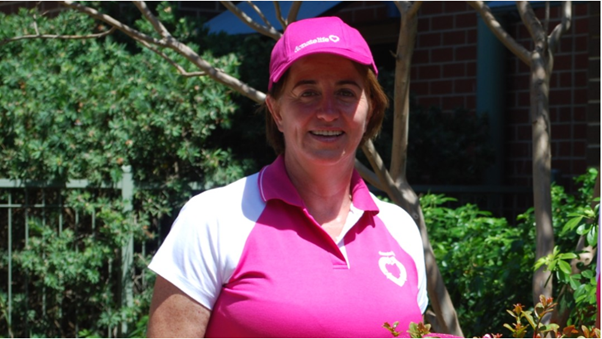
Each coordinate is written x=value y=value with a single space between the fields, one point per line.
x=368 y=175
x=281 y=19
x=115 y=23
x=386 y=182
x=293 y=12
x=522 y=53
x=401 y=106
x=141 y=5
x=267 y=31
x=532 y=23
x=178 y=47
x=58 y=36
x=564 y=26
x=177 y=66
x=260 y=13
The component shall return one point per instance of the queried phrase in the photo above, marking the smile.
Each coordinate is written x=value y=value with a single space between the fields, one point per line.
x=327 y=133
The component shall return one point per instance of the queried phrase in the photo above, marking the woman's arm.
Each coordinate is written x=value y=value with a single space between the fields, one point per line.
x=175 y=314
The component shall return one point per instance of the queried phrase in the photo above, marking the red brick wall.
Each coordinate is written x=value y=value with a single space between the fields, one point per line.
x=444 y=61
x=568 y=101
x=444 y=75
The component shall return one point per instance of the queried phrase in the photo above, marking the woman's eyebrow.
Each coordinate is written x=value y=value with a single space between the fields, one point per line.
x=339 y=83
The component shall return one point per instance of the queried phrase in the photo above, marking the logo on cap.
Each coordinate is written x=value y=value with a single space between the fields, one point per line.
x=330 y=38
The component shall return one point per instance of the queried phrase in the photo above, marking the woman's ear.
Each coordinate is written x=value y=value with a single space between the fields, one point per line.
x=274 y=109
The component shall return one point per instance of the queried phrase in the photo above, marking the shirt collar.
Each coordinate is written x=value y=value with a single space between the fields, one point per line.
x=274 y=183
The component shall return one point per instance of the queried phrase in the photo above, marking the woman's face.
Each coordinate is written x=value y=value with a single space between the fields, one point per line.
x=323 y=110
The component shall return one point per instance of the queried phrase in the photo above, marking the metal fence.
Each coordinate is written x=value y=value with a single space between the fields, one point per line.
x=21 y=200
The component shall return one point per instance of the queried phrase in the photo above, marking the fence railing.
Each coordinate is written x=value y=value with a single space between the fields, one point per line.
x=21 y=198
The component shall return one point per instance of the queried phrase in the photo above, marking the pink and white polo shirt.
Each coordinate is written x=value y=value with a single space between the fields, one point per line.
x=252 y=254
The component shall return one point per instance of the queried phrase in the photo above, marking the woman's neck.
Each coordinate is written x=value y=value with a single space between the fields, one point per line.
x=325 y=190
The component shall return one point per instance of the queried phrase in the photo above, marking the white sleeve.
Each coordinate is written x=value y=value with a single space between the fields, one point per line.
x=188 y=257
x=407 y=234
x=205 y=243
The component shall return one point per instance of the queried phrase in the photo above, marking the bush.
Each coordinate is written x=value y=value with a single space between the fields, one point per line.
x=487 y=263
x=83 y=109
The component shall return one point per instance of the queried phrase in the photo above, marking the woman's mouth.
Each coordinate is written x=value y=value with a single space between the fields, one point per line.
x=327 y=133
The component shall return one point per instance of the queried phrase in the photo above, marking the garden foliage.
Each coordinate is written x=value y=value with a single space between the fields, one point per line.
x=487 y=263
x=83 y=109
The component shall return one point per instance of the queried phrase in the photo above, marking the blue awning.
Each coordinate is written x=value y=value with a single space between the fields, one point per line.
x=229 y=23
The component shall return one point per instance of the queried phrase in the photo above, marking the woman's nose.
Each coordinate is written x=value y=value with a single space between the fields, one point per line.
x=328 y=109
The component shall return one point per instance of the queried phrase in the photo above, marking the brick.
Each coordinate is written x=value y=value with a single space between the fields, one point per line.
x=579 y=80
x=563 y=149
x=430 y=101
x=581 y=25
x=518 y=116
x=565 y=114
x=594 y=25
x=560 y=97
x=593 y=157
x=523 y=133
x=454 y=38
x=429 y=39
x=453 y=102
x=454 y=70
x=381 y=13
x=518 y=149
x=442 y=23
x=561 y=164
x=456 y=6
x=580 y=131
x=594 y=47
x=520 y=83
x=563 y=62
x=431 y=7
x=580 y=95
x=419 y=88
x=579 y=148
x=524 y=99
x=363 y=15
x=466 y=53
x=471 y=102
x=441 y=87
x=421 y=56
x=579 y=166
x=471 y=69
x=580 y=9
x=580 y=113
x=593 y=134
x=442 y=55
x=429 y=72
x=593 y=69
x=581 y=43
x=465 y=86
x=593 y=7
x=593 y=112
x=561 y=132
x=593 y=90
x=468 y=20
x=471 y=36
x=424 y=24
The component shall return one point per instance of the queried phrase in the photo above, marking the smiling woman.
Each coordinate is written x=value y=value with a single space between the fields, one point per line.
x=302 y=248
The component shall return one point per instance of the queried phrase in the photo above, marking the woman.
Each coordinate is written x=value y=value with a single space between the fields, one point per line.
x=300 y=249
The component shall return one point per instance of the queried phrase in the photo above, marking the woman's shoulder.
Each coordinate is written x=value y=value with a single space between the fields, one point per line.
x=391 y=210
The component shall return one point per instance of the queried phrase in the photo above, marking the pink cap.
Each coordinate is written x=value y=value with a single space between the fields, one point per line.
x=318 y=35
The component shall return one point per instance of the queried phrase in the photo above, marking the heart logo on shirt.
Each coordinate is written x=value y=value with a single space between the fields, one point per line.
x=392 y=268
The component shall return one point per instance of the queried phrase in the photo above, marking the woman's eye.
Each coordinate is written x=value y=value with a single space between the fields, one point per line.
x=346 y=93
x=309 y=93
